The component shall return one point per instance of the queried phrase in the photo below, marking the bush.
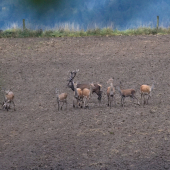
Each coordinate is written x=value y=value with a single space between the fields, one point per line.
x=48 y=33
x=9 y=34
x=107 y=31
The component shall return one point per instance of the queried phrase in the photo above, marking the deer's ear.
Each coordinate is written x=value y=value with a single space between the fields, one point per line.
x=99 y=85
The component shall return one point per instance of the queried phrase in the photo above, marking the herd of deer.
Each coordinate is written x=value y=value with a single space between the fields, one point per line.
x=82 y=94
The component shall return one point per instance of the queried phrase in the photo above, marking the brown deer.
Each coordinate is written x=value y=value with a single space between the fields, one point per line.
x=96 y=89
x=126 y=93
x=82 y=96
x=8 y=99
x=110 y=93
x=61 y=98
x=145 y=90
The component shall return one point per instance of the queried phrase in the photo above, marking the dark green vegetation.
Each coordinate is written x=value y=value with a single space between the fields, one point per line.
x=64 y=32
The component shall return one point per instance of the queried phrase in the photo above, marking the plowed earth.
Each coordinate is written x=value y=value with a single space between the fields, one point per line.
x=38 y=136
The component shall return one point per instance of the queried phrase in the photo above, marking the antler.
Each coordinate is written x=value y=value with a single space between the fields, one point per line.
x=73 y=74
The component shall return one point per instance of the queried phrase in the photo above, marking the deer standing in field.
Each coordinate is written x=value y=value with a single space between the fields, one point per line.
x=8 y=99
x=61 y=98
x=96 y=86
x=146 y=90
x=127 y=93
x=82 y=96
x=110 y=93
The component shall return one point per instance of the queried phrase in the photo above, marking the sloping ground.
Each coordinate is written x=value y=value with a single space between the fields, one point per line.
x=37 y=136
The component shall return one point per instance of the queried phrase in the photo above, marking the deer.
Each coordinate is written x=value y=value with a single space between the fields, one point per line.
x=126 y=93
x=96 y=87
x=110 y=93
x=82 y=96
x=6 y=105
x=8 y=99
x=70 y=80
x=61 y=98
x=145 y=90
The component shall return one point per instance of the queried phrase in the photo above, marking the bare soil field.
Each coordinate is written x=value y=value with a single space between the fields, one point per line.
x=39 y=137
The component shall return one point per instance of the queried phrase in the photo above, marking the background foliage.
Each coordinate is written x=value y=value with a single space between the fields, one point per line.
x=121 y=14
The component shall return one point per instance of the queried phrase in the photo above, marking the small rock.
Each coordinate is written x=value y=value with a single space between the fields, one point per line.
x=152 y=111
x=99 y=122
x=167 y=166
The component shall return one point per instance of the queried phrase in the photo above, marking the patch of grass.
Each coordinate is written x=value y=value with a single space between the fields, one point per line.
x=112 y=133
x=48 y=33
x=29 y=33
x=107 y=31
x=66 y=32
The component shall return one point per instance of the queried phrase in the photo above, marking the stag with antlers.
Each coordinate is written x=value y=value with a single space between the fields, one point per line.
x=96 y=89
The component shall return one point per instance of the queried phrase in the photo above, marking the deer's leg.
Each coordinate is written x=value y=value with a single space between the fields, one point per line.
x=3 y=105
x=84 y=101
x=58 y=105
x=148 y=98
x=78 y=102
x=62 y=105
x=142 y=97
x=73 y=103
x=108 y=99
x=122 y=101
x=111 y=100
x=7 y=108
x=87 y=101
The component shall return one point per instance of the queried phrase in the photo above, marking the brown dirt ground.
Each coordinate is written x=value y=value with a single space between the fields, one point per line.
x=37 y=136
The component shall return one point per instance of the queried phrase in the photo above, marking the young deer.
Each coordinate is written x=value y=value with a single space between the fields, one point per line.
x=127 y=93
x=8 y=99
x=145 y=90
x=6 y=105
x=77 y=95
x=110 y=93
x=82 y=96
x=61 y=98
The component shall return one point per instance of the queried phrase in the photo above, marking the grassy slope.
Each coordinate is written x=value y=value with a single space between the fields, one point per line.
x=19 y=33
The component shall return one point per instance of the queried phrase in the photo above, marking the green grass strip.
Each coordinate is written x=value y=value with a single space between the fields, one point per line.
x=19 y=33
